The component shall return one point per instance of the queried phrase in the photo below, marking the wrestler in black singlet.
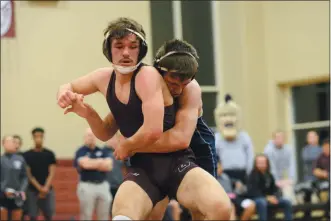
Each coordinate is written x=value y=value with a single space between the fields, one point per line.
x=158 y=174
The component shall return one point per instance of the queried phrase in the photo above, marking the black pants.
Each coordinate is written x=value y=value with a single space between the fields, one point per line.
x=237 y=174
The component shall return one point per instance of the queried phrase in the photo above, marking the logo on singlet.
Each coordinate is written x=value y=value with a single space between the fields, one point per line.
x=135 y=174
x=183 y=166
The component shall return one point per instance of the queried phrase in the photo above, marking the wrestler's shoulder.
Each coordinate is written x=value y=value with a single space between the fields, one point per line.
x=193 y=87
x=104 y=72
x=148 y=71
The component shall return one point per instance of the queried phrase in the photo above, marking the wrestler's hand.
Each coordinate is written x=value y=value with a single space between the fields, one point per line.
x=65 y=98
x=121 y=153
x=79 y=107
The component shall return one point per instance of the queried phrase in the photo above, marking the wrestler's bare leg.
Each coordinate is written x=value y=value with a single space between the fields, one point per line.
x=131 y=201
x=207 y=197
x=159 y=210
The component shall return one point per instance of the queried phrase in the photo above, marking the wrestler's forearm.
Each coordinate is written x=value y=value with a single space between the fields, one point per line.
x=64 y=87
x=101 y=129
x=170 y=141
x=142 y=138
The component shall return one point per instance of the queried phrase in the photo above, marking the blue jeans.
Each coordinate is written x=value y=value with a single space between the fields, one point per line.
x=262 y=207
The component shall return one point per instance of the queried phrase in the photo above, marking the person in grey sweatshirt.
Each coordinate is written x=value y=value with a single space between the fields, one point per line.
x=14 y=181
x=309 y=155
x=282 y=160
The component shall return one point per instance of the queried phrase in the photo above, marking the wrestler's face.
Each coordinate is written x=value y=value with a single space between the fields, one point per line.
x=9 y=144
x=261 y=163
x=175 y=84
x=125 y=51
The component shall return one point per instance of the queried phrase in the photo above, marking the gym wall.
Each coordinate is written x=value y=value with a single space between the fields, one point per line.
x=55 y=43
x=265 y=44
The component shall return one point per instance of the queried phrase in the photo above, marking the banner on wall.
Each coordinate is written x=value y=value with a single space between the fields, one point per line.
x=7 y=19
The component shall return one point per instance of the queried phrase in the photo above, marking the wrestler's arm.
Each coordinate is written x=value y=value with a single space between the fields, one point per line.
x=87 y=84
x=149 y=90
x=102 y=129
x=179 y=137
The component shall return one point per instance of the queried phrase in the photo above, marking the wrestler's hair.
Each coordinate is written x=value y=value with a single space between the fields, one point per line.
x=117 y=29
x=184 y=64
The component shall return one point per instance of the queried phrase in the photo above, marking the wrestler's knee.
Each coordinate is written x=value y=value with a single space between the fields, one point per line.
x=159 y=210
x=131 y=201
x=219 y=209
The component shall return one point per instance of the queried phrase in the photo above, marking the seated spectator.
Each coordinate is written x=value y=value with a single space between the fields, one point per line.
x=14 y=181
x=244 y=206
x=282 y=163
x=322 y=165
x=309 y=155
x=322 y=169
x=263 y=190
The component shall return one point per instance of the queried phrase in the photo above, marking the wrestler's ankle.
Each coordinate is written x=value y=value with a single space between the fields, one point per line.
x=121 y=217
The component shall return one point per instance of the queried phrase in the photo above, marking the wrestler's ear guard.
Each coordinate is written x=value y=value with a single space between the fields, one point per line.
x=106 y=47
x=162 y=70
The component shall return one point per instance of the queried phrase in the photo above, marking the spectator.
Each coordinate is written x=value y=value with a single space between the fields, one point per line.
x=234 y=188
x=322 y=170
x=282 y=161
x=18 y=143
x=14 y=181
x=309 y=154
x=92 y=164
x=322 y=165
x=41 y=164
x=263 y=190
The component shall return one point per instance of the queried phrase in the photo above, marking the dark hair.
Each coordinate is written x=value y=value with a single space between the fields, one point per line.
x=117 y=29
x=38 y=129
x=17 y=137
x=326 y=141
x=184 y=61
x=268 y=162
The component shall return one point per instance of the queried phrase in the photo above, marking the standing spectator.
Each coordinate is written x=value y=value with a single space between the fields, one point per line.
x=92 y=164
x=282 y=162
x=115 y=176
x=18 y=143
x=263 y=190
x=234 y=188
x=14 y=181
x=41 y=164
x=309 y=154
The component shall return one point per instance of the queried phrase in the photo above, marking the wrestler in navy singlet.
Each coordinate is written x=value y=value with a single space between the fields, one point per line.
x=203 y=147
x=158 y=174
